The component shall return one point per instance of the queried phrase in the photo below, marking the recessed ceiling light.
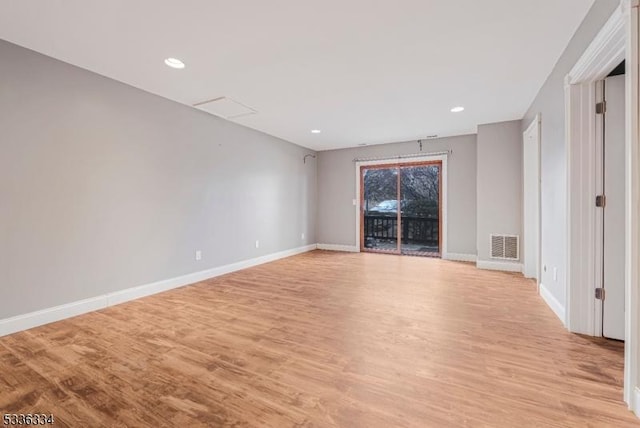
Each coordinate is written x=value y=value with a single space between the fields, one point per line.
x=457 y=109
x=174 y=63
x=315 y=131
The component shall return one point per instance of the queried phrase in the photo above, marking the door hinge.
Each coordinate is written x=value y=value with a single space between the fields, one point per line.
x=601 y=201
x=601 y=107
x=600 y=293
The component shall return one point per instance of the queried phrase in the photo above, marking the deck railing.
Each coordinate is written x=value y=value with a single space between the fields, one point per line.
x=415 y=230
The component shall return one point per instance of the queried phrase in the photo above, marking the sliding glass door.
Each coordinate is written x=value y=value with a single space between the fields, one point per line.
x=420 y=214
x=380 y=208
x=401 y=208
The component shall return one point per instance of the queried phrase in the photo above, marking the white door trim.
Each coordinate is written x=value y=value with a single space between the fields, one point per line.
x=442 y=158
x=535 y=124
x=617 y=40
x=632 y=252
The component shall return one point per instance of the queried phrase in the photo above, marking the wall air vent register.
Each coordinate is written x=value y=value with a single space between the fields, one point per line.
x=505 y=247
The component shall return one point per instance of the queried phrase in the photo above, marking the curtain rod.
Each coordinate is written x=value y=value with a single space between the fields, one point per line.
x=416 y=155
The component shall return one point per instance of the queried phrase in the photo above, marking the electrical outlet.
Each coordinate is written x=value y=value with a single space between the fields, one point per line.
x=555 y=274
x=257 y=244
x=302 y=236
x=354 y=202
x=198 y=255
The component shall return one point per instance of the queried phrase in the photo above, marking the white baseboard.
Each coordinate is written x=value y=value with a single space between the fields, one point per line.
x=49 y=315
x=332 y=247
x=636 y=402
x=459 y=257
x=503 y=266
x=553 y=303
x=68 y=310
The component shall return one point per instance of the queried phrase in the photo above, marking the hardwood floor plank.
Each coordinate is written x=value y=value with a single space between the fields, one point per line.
x=322 y=340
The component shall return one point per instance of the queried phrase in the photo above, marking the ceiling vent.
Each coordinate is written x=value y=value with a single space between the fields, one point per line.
x=225 y=107
x=505 y=247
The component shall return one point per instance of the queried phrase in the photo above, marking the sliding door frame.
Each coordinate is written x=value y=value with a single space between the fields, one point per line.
x=403 y=162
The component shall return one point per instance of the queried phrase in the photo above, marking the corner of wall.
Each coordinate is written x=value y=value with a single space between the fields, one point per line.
x=551 y=301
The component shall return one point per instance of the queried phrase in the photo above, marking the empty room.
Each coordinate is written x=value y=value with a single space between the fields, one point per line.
x=420 y=213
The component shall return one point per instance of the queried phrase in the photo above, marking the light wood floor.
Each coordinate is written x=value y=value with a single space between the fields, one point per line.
x=322 y=339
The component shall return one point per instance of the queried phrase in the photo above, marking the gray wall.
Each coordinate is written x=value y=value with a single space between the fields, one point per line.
x=499 y=183
x=337 y=188
x=105 y=187
x=550 y=103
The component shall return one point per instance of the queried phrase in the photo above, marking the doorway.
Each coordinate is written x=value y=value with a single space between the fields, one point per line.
x=616 y=41
x=401 y=208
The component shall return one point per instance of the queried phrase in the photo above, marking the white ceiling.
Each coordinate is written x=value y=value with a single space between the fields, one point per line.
x=362 y=71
